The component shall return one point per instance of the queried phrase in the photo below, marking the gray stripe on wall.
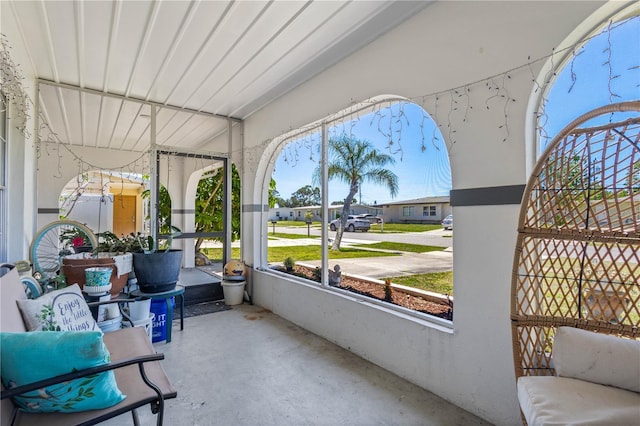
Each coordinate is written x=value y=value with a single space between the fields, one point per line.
x=45 y=210
x=253 y=208
x=489 y=196
x=183 y=211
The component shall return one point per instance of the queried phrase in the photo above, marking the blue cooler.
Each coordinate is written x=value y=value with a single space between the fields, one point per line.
x=159 y=308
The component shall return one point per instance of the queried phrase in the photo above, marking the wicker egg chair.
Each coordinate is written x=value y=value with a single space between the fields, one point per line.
x=578 y=249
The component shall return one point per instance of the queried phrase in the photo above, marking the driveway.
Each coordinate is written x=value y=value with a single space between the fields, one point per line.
x=393 y=266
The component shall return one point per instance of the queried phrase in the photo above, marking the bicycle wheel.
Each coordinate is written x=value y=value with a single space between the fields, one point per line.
x=55 y=240
x=31 y=287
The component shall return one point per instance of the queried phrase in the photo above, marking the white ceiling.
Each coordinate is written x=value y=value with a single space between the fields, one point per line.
x=226 y=58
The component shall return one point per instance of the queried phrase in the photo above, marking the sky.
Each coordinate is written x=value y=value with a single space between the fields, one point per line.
x=419 y=173
x=599 y=72
x=567 y=99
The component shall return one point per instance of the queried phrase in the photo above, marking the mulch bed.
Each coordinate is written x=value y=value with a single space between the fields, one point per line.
x=377 y=291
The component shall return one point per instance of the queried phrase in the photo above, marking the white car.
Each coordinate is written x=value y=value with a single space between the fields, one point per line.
x=353 y=224
x=447 y=222
x=371 y=218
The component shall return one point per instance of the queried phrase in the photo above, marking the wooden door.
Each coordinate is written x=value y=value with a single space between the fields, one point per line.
x=124 y=214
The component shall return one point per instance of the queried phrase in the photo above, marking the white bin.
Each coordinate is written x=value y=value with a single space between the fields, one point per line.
x=233 y=291
x=146 y=323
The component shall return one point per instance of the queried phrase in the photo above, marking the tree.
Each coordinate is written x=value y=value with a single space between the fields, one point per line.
x=210 y=204
x=273 y=194
x=306 y=196
x=164 y=208
x=355 y=161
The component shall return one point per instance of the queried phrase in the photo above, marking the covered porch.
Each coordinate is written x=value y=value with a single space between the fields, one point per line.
x=201 y=87
x=248 y=366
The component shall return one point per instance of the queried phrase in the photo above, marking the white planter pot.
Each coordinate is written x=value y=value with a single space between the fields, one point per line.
x=233 y=292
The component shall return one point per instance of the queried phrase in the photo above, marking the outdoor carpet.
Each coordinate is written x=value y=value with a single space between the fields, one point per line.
x=202 y=309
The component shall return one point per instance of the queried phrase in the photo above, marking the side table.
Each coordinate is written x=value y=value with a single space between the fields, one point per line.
x=178 y=292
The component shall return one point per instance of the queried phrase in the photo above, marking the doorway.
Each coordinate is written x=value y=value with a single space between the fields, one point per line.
x=124 y=214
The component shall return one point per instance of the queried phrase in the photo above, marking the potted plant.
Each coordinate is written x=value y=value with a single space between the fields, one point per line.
x=289 y=263
x=157 y=270
x=74 y=241
x=112 y=251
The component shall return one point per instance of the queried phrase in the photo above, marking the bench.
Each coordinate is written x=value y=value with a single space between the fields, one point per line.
x=133 y=360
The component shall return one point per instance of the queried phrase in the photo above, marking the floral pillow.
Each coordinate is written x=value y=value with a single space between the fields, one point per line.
x=29 y=357
x=60 y=310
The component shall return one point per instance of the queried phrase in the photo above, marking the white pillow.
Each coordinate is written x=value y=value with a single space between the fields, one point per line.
x=64 y=308
x=597 y=358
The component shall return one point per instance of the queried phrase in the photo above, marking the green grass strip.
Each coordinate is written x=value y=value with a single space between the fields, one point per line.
x=438 y=282
x=403 y=227
x=413 y=248
x=290 y=236
x=215 y=254
x=296 y=223
x=299 y=253
x=302 y=253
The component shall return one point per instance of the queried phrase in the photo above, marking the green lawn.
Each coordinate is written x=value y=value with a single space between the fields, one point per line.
x=438 y=282
x=216 y=253
x=302 y=253
x=299 y=253
x=403 y=227
x=414 y=248
x=562 y=284
x=289 y=236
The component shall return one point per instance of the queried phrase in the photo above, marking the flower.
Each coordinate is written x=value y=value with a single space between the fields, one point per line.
x=78 y=241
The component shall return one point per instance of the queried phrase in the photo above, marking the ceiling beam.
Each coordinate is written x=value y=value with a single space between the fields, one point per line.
x=133 y=99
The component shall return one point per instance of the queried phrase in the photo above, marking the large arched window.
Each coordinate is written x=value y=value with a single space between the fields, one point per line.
x=388 y=177
x=601 y=69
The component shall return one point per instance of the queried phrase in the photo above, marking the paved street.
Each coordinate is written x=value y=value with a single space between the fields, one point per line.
x=438 y=237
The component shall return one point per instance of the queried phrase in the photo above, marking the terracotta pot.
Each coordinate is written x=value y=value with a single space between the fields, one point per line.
x=73 y=270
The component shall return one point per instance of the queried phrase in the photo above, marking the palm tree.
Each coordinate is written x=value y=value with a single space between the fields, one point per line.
x=355 y=161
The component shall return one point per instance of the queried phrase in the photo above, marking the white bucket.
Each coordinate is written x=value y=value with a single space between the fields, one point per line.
x=139 y=310
x=111 y=324
x=103 y=310
x=146 y=323
x=233 y=292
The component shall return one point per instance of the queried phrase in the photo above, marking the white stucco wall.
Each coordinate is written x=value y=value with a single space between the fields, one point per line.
x=21 y=156
x=447 y=45
x=56 y=169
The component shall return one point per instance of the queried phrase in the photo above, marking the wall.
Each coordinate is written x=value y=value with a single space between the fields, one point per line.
x=21 y=156
x=395 y=213
x=55 y=170
x=447 y=45
x=85 y=212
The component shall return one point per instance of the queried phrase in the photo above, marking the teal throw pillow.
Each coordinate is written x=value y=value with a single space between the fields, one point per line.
x=31 y=356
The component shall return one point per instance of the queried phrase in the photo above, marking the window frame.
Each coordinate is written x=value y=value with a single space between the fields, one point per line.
x=320 y=127
x=429 y=211
x=4 y=143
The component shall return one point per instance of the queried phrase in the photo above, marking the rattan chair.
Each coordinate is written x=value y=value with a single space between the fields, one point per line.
x=578 y=249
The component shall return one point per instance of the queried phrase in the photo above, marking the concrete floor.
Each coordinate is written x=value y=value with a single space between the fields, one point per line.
x=247 y=366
